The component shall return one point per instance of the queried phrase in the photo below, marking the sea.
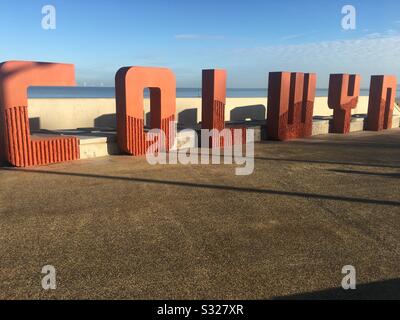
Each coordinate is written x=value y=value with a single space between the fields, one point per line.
x=109 y=92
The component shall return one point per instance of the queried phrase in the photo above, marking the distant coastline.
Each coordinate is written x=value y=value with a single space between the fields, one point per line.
x=109 y=92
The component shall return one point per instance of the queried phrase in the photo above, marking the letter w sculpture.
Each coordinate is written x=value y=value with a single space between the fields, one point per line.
x=290 y=105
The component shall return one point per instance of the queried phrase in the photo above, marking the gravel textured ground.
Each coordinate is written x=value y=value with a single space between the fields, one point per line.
x=119 y=228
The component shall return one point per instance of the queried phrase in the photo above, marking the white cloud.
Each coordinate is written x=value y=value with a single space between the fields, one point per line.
x=197 y=37
x=372 y=54
x=298 y=35
x=387 y=33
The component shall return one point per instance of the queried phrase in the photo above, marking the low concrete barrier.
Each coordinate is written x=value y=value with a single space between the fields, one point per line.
x=53 y=114
x=323 y=125
x=94 y=144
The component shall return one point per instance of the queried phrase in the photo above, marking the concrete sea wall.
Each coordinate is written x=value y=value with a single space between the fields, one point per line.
x=64 y=113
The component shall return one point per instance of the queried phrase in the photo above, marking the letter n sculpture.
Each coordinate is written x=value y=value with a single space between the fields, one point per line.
x=344 y=90
x=382 y=95
x=213 y=110
x=17 y=146
x=290 y=105
x=130 y=83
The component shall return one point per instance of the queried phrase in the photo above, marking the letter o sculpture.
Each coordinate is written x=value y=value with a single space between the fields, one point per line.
x=130 y=83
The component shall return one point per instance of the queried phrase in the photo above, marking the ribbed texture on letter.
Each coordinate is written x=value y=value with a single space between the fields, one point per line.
x=136 y=143
x=24 y=150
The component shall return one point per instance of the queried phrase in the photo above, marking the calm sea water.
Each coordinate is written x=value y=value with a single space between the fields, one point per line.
x=109 y=92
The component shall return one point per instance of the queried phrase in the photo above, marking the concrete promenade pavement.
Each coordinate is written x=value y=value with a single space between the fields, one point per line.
x=117 y=227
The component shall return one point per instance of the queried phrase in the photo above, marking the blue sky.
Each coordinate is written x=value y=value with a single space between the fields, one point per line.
x=248 y=38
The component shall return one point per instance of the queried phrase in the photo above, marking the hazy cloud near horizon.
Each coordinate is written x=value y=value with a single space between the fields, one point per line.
x=375 y=53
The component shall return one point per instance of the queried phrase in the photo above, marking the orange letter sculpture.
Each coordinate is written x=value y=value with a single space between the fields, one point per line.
x=344 y=90
x=17 y=146
x=130 y=83
x=290 y=105
x=213 y=108
x=213 y=99
x=382 y=95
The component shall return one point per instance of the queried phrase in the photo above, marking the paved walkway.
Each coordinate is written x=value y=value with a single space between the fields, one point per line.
x=119 y=228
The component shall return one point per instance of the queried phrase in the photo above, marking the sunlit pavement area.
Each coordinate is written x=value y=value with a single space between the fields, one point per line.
x=117 y=227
